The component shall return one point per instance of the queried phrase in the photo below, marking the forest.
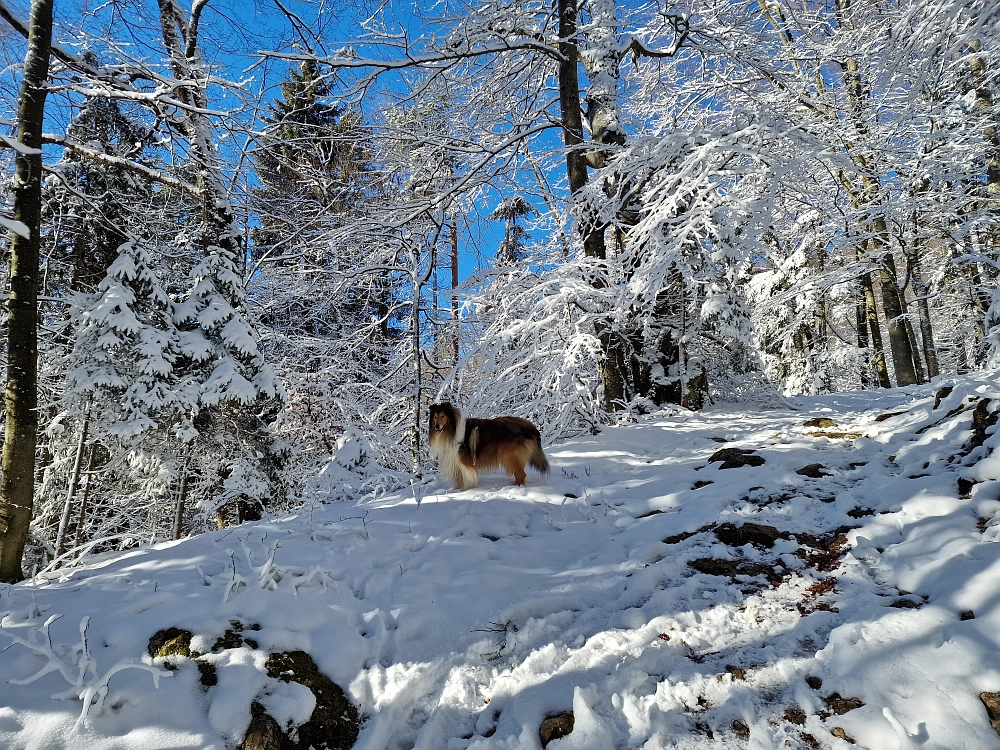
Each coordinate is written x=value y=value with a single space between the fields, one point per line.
x=245 y=238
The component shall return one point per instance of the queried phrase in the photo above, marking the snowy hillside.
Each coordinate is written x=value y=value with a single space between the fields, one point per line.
x=843 y=592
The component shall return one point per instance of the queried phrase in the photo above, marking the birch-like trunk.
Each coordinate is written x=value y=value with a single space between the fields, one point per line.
x=17 y=482
x=74 y=484
x=81 y=519
x=179 y=508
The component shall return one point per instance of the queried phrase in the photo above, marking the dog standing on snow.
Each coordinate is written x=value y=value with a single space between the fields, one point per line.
x=465 y=446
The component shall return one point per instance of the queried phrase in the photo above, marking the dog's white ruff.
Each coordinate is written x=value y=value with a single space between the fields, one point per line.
x=446 y=452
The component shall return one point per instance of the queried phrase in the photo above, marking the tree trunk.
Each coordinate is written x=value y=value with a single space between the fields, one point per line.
x=454 y=286
x=861 y=322
x=181 y=502
x=74 y=483
x=21 y=432
x=899 y=341
x=613 y=362
x=180 y=39
x=921 y=295
x=871 y=315
x=81 y=520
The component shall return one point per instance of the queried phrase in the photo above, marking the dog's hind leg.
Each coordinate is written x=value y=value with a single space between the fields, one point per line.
x=513 y=462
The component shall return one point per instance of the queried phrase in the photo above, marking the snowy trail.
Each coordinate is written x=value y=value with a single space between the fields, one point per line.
x=463 y=621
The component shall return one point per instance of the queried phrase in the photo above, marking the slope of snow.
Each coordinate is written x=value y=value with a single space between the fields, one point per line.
x=461 y=621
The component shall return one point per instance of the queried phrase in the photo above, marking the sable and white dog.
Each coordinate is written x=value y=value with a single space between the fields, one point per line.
x=464 y=446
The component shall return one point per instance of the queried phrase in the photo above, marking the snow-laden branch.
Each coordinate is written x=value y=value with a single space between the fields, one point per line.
x=77 y=666
x=111 y=160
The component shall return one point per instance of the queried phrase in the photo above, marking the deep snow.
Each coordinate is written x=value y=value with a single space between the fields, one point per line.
x=463 y=620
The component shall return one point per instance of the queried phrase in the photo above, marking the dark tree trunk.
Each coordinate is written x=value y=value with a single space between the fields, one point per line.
x=454 y=286
x=861 y=322
x=613 y=364
x=871 y=315
x=921 y=294
x=21 y=433
x=899 y=340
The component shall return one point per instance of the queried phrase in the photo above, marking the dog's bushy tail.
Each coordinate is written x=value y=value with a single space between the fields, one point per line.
x=538 y=461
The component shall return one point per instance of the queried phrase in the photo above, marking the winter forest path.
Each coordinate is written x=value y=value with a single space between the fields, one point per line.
x=667 y=601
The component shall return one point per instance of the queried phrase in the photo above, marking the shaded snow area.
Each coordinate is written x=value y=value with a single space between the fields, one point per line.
x=845 y=592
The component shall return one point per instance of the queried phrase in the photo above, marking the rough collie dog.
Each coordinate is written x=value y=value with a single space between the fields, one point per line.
x=464 y=446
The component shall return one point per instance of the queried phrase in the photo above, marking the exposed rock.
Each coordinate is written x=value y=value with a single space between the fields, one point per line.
x=749 y=533
x=701 y=483
x=942 y=393
x=795 y=716
x=335 y=722
x=741 y=729
x=703 y=728
x=737 y=673
x=967 y=615
x=982 y=420
x=860 y=512
x=809 y=740
x=814 y=682
x=734 y=458
x=554 y=727
x=685 y=535
x=839 y=733
x=732 y=568
x=835 y=435
x=209 y=674
x=170 y=642
x=264 y=733
x=718 y=440
x=992 y=703
x=647 y=514
x=841 y=705
x=813 y=471
x=234 y=637
x=889 y=415
x=822 y=552
x=906 y=604
x=819 y=422
x=965 y=486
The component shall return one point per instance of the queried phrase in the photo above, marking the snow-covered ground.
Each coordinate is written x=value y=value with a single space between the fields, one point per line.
x=463 y=620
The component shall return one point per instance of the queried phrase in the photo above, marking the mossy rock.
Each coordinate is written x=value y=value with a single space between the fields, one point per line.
x=170 y=642
x=335 y=722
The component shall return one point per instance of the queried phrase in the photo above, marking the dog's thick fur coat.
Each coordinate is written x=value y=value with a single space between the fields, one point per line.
x=465 y=446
